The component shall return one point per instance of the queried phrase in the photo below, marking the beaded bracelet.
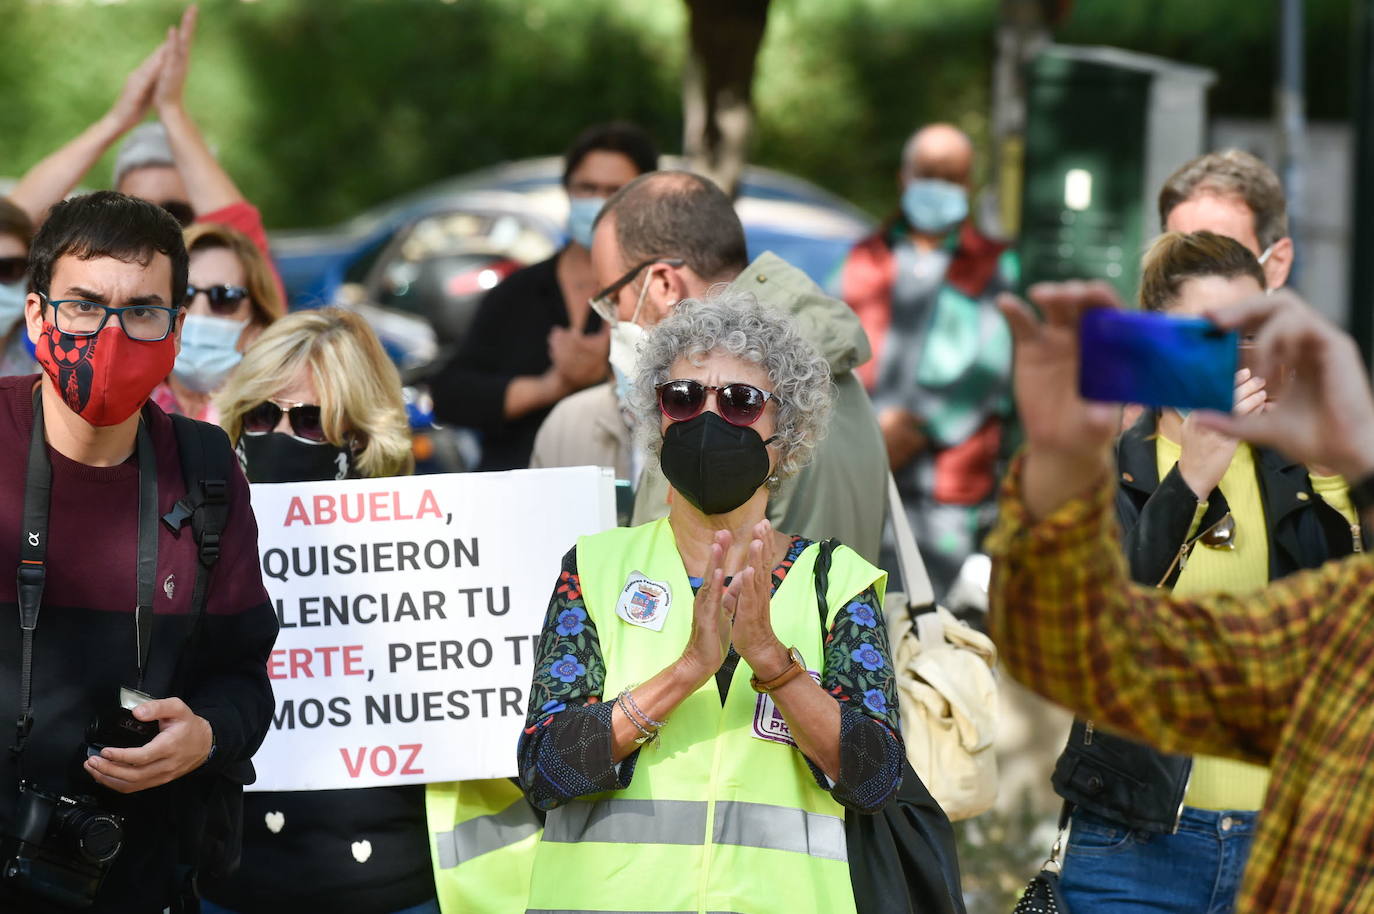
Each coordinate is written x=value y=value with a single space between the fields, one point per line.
x=647 y=736
x=648 y=721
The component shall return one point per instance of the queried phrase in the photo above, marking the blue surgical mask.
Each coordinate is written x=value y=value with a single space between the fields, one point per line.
x=934 y=207
x=12 y=296
x=582 y=213
x=208 y=351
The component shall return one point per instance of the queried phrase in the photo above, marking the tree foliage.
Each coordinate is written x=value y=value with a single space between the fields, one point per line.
x=320 y=109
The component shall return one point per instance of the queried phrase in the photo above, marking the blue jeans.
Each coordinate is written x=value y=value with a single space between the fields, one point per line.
x=429 y=907
x=1109 y=869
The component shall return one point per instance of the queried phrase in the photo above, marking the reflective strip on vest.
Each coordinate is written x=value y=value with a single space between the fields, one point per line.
x=484 y=834
x=780 y=828
x=628 y=822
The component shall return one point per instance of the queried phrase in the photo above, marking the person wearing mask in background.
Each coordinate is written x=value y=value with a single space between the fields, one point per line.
x=534 y=340
x=1200 y=513
x=924 y=287
x=669 y=236
x=314 y=398
x=16 y=231
x=230 y=299
x=166 y=162
x=659 y=636
x=1234 y=194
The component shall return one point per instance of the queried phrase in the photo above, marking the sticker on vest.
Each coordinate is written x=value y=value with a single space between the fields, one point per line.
x=644 y=602
x=769 y=724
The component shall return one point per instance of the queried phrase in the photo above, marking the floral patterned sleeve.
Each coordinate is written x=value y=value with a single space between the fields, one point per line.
x=565 y=749
x=858 y=673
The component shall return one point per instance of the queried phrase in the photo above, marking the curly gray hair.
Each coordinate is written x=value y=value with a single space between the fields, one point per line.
x=735 y=323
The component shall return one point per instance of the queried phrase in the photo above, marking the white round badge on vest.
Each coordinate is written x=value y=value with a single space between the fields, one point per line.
x=644 y=602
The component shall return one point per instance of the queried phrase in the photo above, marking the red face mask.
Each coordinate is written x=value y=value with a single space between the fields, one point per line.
x=105 y=378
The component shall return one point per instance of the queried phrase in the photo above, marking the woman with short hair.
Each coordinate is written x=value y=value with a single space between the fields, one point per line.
x=700 y=637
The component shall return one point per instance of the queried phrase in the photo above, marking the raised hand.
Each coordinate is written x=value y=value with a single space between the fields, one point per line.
x=711 y=622
x=171 y=79
x=137 y=95
x=1067 y=437
x=1205 y=454
x=1326 y=413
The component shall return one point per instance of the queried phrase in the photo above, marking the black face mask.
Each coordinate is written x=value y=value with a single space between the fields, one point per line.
x=278 y=457
x=716 y=466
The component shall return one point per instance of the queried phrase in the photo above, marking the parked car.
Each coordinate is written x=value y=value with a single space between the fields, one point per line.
x=417 y=266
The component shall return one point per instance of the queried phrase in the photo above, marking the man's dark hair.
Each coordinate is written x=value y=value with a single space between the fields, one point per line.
x=108 y=224
x=678 y=214
x=15 y=222
x=1231 y=173
x=623 y=137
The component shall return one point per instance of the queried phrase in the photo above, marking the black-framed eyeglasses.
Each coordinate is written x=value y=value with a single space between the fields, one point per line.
x=148 y=323
x=13 y=269
x=603 y=302
x=224 y=299
x=738 y=403
x=306 y=423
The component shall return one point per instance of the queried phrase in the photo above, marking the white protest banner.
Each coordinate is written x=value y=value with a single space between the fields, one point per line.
x=410 y=608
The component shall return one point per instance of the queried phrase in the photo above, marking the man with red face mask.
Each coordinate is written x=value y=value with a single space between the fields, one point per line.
x=130 y=718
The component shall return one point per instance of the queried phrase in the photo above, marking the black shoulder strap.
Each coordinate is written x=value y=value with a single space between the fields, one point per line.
x=822 y=576
x=207 y=465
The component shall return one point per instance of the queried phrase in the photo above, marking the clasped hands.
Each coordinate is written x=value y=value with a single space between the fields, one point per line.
x=740 y=613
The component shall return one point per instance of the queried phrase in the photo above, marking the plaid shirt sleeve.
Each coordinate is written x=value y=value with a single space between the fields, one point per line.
x=1211 y=674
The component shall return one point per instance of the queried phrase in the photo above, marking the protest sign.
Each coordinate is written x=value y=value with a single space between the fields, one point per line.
x=410 y=608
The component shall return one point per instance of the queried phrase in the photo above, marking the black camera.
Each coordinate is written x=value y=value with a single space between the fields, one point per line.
x=61 y=848
x=118 y=727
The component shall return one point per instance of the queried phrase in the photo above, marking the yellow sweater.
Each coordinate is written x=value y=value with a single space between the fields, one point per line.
x=1219 y=783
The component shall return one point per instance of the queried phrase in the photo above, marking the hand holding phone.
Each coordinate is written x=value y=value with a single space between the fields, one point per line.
x=1156 y=360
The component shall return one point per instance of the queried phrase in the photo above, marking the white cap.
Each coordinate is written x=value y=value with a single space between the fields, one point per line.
x=145 y=145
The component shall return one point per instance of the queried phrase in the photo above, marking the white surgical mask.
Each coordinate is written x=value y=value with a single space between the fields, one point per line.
x=208 y=351
x=12 y=297
x=625 y=339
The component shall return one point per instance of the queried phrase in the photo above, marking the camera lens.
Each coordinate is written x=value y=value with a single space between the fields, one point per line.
x=95 y=835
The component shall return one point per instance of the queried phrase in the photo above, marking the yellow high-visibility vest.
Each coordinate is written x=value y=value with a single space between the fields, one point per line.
x=720 y=816
x=482 y=836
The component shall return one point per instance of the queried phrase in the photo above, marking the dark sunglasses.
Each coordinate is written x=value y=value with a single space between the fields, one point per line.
x=181 y=211
x=1221 y=535
x=223 y=299
x=13 y=269
x=304 y=418
x=737 y=403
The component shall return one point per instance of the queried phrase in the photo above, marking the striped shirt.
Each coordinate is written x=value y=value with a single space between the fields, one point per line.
x=1282 y=677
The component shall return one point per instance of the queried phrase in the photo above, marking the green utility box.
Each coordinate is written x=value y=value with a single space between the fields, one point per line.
x=1104 y=129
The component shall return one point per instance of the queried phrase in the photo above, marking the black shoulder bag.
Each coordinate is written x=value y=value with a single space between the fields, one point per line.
x=902 y=859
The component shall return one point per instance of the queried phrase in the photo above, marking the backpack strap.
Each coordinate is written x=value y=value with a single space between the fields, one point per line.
x=207 y=465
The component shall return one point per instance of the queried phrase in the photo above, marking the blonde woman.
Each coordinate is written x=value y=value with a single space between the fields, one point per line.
x=231 y=297
x=315 y=397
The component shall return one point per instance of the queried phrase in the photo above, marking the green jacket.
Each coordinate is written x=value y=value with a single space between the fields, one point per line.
x=842 y=493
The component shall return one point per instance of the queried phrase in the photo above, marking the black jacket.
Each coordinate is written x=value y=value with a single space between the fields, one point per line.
x=1118 y=778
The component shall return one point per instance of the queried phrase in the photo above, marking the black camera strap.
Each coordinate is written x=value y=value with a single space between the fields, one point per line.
x=33 y=553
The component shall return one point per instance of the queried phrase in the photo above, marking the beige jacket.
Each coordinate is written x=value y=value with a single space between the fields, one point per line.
x=841 y=493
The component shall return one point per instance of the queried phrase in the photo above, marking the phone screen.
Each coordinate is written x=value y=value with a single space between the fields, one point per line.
x=1156 y=360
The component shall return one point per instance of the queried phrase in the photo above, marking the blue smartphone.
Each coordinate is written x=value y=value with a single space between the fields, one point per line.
x=1156 y=360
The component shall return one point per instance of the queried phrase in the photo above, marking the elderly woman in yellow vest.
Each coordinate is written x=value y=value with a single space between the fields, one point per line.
x=696 y=730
